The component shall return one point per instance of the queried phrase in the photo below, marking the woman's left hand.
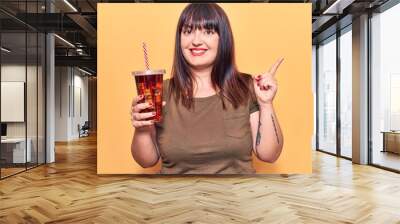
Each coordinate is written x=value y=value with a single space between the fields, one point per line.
x=265 y=85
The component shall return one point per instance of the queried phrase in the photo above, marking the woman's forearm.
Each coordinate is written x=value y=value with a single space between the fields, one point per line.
x=143 y=148
x=269 y=140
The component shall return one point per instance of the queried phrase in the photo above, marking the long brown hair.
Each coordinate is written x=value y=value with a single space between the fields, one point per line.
x=224 y=75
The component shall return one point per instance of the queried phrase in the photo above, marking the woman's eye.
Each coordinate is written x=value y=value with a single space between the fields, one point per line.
x=187 y=31
x=209 y=32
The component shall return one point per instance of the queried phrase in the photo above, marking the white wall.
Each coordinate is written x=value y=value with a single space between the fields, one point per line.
x=62 y=81
x=71 y=93
x=81 y=84
x=33 y=127
x=16 y=73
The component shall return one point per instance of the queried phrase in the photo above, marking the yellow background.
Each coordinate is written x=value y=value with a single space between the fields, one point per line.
x=262 y=32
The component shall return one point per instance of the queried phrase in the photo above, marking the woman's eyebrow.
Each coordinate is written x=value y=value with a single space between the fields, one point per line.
x=187 y=26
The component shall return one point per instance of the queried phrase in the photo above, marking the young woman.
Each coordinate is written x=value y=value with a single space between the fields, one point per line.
x=214 y=117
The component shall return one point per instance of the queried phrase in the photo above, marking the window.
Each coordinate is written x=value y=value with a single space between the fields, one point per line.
x=346 y=92
x=385 y=88
x=23 y=79
x=327 y=95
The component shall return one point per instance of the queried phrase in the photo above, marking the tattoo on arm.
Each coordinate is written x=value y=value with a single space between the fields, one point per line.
x=276 y=133
x=258 y=138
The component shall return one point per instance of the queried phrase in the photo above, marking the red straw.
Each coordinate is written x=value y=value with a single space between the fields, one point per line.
x=146 y=58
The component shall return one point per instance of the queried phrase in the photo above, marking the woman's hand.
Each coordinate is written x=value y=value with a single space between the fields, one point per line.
x=138 y=118
x=266 y=86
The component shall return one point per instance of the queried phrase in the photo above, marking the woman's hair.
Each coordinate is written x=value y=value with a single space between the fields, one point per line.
x=224 y=75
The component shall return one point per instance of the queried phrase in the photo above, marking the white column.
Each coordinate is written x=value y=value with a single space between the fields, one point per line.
x=50 y=92
x=360 y=90
x=50 y=100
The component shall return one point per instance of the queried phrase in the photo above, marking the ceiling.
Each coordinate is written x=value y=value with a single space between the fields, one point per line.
x=76 y=22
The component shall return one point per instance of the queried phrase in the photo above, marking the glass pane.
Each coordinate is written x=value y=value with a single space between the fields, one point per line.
x=31 y=100
x=314 y=88
x=386 y=89
x=327 y=96
x=41 y=98
x=346 y=94
x=13 y=89
x=31 y=84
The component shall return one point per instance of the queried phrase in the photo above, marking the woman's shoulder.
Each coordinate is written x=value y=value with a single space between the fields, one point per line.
x=246 y=77
x=166 y=83
x=166 y=88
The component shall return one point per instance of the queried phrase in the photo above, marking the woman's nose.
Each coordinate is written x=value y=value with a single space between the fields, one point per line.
x=197 y=39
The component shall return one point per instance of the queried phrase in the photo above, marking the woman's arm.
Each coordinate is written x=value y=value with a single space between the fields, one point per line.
x=267 y=134
x=144 y=146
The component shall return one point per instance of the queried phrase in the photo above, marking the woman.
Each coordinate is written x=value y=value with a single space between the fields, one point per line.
x=213 y=115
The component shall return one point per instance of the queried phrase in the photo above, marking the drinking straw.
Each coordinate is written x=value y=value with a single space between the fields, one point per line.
x=146 y=58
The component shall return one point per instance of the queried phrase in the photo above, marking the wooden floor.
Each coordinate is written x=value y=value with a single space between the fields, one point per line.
x=387 y=159
x=69 y=191
x=8 y=171
x=5 y=172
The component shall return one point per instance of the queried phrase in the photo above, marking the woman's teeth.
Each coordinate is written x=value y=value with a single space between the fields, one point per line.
x=198 y=52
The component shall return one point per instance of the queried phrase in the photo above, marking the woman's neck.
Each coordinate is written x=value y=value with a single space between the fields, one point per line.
x=203 y=84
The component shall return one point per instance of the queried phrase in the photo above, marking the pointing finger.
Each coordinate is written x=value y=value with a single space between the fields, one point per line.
x=275 y=67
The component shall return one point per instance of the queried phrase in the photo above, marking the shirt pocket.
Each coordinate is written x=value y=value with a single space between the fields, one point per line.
x=236 y=124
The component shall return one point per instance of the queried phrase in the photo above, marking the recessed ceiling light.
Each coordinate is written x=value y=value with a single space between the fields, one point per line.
x=84 y=71
x=64 y=40
x=337 y=7
x=70 y=5
x=5 y=50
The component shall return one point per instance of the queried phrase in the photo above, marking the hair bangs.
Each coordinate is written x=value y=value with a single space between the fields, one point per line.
x=200 y=16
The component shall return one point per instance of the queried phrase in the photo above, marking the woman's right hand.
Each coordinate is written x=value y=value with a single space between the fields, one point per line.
x=138 y=118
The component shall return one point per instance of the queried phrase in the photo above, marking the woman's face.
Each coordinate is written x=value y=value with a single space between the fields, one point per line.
x=199 y=47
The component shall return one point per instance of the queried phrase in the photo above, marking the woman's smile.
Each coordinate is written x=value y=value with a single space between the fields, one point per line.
x=198 y=51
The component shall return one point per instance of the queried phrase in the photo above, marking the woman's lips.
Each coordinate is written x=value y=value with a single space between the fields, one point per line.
x=198 y=51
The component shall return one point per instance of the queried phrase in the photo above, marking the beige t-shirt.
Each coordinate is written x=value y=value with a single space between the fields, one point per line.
x=208 y=139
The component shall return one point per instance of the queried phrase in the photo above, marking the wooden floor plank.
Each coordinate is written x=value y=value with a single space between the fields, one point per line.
x=70 y=191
